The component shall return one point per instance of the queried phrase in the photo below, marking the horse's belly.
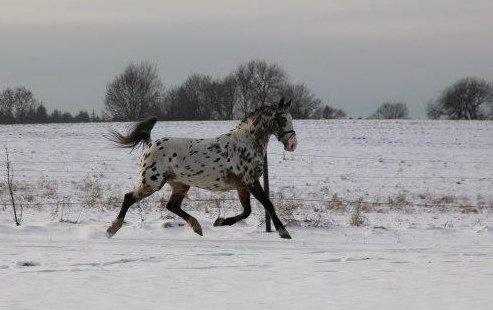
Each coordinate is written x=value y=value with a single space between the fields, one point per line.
x=216 y=188
x=212 y=184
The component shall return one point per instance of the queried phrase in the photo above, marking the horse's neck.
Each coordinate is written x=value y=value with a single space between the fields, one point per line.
x=256 y=133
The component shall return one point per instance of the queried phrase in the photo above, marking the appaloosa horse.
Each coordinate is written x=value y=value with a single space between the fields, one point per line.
x=232 y=161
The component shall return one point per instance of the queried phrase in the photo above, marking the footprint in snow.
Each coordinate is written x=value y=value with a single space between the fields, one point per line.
x=27 y=263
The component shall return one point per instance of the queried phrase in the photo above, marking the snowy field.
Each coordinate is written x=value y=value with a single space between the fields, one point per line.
x=416 y=262
x=421 y=192
x=419 y=161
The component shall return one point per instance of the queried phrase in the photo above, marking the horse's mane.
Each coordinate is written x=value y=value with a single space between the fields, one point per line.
x=258 y=111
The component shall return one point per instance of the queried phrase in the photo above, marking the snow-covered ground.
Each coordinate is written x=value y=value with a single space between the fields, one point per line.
x=419 y=161
x=396 y=261
x=428 y=246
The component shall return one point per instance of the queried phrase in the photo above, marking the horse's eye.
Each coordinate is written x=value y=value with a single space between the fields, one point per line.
x=282 y=121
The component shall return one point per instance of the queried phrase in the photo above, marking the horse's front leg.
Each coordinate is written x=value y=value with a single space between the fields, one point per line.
x=244 y=196
x=259 y=194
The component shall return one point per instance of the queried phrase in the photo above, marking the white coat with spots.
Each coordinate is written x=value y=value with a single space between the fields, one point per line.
x=232 y=161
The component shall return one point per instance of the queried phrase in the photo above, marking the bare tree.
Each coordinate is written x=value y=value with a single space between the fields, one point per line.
x=191 y=100
x=433 y=110
x=469 y=98
x=226 y=92
x=489 y=109
x=25 y=104
x=304 y=102
x=391 y=110
x=171 y=101
x=134 y=94
x=253 y=84
x=328 y=112
x=258 y=84
x=10 y=185
x=18 y=105
x=201 y=97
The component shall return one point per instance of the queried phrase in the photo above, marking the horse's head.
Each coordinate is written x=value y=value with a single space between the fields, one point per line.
x=284 y=126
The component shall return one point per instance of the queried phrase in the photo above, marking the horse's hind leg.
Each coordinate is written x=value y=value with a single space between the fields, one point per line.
x=142 y=191
x=129 y=200
x=174 y=205
x=244 y=196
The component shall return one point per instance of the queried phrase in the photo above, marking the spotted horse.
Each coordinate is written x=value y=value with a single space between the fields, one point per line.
x=231 y=161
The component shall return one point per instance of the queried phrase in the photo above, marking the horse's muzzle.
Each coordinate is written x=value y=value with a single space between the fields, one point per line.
x=291 y=144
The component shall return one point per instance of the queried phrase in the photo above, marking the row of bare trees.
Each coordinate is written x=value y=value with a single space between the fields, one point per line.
x=138 y=92
x=19 y=105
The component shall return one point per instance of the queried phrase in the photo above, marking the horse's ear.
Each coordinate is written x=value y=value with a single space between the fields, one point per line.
x=281 y=104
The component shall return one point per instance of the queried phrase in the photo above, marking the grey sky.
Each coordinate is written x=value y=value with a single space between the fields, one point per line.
x=353 y=53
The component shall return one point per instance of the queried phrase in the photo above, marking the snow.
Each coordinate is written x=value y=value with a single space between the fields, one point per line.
x=417 y=262
x=355 y=159
x=404 y=256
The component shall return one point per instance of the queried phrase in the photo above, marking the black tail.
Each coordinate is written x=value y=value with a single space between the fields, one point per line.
x=139 y=133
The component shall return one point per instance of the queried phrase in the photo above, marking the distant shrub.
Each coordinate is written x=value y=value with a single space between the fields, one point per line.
x=391 y=110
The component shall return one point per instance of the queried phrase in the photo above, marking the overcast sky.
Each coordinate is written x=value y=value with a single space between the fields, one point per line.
x=354 y=54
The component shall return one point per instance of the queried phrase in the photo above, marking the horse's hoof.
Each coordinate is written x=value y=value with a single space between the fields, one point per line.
x=219 y=222
x=284 y=233
x=196 y=226
x=197 y=230
x=109 y=233
x=115 y=226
